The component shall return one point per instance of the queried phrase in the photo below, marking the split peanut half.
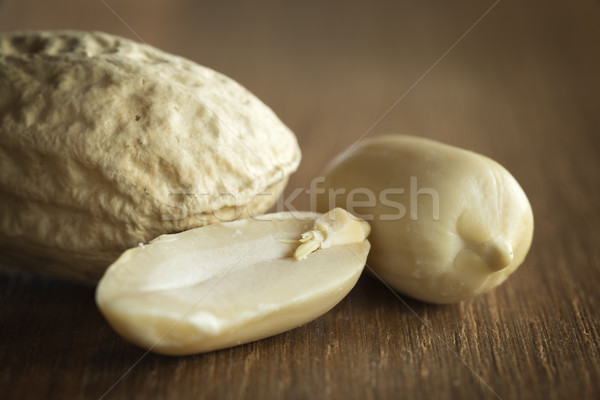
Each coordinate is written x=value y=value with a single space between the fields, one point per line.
x=234 y=282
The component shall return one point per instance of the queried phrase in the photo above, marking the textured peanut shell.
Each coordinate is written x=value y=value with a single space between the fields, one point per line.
x=106 y=143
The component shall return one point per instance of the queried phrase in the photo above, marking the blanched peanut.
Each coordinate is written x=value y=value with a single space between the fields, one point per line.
x=448 y=223
x=230 y=283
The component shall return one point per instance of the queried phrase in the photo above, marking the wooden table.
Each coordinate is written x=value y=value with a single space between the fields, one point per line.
x=517 y=81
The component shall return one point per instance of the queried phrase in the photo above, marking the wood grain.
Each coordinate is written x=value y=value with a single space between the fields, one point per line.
x=523 y=87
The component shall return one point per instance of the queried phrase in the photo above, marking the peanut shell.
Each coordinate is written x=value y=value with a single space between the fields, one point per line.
x=106 y=143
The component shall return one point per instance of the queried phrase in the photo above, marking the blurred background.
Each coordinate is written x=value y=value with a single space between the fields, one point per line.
x=518 y=81
x=336 y=70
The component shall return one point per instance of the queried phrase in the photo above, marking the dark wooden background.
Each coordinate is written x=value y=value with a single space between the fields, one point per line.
x=522 y=86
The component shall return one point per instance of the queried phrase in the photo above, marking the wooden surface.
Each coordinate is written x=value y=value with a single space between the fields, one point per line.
x=522 y=86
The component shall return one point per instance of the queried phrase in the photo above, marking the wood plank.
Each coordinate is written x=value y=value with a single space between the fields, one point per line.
x=523 y=87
